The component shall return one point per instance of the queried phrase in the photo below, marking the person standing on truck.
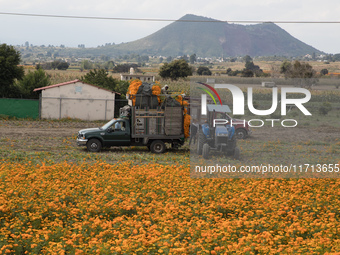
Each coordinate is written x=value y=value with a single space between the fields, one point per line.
x=164 y=90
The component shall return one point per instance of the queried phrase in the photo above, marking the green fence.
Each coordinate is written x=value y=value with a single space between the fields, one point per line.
x=20 y=108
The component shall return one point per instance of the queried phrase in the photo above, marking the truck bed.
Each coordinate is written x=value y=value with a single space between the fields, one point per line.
x=157 y=123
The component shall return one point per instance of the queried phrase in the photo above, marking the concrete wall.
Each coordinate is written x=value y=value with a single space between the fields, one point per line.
x=77 y=100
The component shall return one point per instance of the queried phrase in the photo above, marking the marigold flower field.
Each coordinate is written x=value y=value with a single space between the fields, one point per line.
x=124 y=208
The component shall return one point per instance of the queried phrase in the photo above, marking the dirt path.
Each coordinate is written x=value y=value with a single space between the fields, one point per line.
x=47 y=133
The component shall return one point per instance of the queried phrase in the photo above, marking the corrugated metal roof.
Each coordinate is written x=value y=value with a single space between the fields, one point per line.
x=71 y=82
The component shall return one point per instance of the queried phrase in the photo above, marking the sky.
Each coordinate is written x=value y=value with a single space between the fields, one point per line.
x=16 y=30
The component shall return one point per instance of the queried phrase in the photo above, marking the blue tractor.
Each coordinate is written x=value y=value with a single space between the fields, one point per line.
x=217 y=135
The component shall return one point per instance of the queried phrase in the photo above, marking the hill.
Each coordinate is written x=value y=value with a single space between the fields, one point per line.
x=212 y=38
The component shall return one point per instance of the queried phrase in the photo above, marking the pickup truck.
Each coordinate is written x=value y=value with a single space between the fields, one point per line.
x=242 y=129
x=153 y=128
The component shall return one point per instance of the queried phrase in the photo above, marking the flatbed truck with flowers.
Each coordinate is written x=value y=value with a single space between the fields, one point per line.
x=153 y=128
x=151 y=120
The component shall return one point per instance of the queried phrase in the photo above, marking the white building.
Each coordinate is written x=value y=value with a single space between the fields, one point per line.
x=76 y=99
x=132 y=75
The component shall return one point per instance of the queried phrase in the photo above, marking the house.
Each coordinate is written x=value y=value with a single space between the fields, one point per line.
x=76 y=99
x=143 y=77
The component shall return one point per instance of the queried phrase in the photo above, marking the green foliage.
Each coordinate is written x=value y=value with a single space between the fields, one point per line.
x=9 y=70
x=56 y=64
x=324 y=71
x=125 y=68
x=297 y=70
x=109 y=65
x=233 y=73
x=247 y=58
x=303 y=73
x=203 y=70
x=325 y=108
x=192 y=58
x=176 y=69
x=86 y=65
x=101 y=78
x=250 y=69
x=60 y=65
x=32 y=80
x=247 y=73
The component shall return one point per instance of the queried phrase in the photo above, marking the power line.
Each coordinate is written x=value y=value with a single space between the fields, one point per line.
x=169 y=20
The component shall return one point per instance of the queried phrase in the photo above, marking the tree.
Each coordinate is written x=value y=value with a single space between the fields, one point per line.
x=9 y=70
x=86 y=65
x=203 y=70
x=108 y=65
x=247 y=73
x=32 y=80
x=175 y=69
x=125 y=68
x=297 y=70
x=247 y=58
x=101 y=78
x=250 y=69
x=285 y=67
x=60 y=65
x=192 y=59
x=303 y=74
x=63 y=65
x=324 y=71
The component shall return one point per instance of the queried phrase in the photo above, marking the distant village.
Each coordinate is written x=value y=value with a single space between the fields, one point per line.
x=76 y=56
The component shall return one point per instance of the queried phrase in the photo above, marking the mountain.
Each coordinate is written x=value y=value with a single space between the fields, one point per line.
x=207 y=37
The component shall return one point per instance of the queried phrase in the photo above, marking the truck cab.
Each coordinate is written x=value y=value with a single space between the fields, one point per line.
x=116 y=132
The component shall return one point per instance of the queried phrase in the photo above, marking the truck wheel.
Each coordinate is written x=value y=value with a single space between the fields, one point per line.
x=201 y=141
x=205 y=151
x=94 y=145
x=237 y=153
x=157 y=146
x=241 y=133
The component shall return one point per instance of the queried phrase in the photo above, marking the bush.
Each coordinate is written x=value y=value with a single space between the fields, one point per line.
x=176 y=69
x=31 y=81
x=324 y=71
x=325 y=108
x=203 y=70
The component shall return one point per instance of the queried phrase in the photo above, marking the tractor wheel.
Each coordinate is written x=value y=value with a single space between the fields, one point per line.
x=237 y=153
x=94 y=145
x=241 y=133
x=201 y=141
x=157 y=146
x=228 y=153
x=205 y=151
